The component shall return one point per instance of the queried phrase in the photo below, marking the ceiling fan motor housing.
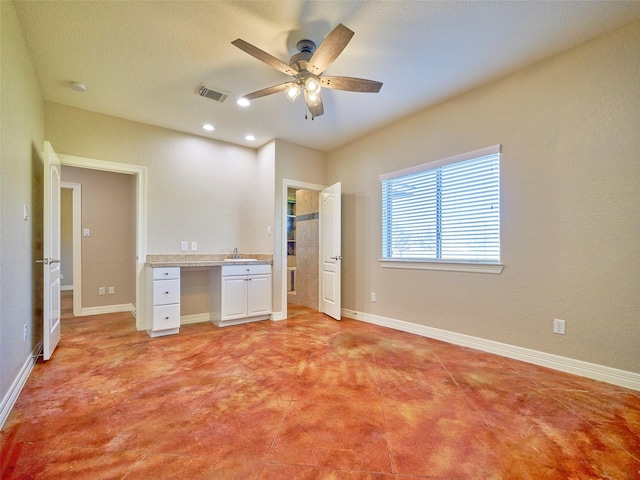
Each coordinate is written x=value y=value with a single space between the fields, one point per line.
x=306 y=49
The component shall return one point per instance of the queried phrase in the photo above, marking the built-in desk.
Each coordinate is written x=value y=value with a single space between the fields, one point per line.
x=239 y=289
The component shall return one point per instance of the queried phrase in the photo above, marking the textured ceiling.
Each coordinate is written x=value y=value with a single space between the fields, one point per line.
x=144 y=60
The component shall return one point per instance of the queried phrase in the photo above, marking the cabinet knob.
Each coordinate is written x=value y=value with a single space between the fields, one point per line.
x=166 y=273
x=166 y=293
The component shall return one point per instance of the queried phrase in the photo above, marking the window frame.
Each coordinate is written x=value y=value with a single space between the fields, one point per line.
x=480 y=266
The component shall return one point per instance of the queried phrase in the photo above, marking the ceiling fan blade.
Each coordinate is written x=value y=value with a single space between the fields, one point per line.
x=315 y=108
x=329 y=49
x=264 y=57
x=267 y=91
x=351 y=84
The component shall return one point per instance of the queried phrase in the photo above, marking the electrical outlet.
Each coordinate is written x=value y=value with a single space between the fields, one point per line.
x=24 y=333
x=558 y=326
x=373 y=296
x=194 y=246
x=112 y=290
x=184 y=246
x=101 y=291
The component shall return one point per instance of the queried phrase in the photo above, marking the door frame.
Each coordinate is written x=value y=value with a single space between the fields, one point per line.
x=286 y=184
x=76 y=243
x=140 y=173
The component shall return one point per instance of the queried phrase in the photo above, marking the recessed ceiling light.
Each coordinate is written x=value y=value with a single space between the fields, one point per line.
x=243 y=102
x=208 y=127
x=251 y=138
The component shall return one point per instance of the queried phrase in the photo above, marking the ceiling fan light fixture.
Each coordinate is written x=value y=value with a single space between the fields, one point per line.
x=292 y=91
x=312 y=85
x=313 y=99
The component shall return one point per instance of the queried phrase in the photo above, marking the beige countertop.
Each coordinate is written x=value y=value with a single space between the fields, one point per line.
x=206 y=260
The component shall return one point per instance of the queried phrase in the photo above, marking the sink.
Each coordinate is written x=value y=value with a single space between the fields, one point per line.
x=240 y=259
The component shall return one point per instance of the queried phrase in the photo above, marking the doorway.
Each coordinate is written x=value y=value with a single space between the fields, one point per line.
x=328 y=279
x=302 y=251
x=139 y=174
x=287 y=186
x=71 y=244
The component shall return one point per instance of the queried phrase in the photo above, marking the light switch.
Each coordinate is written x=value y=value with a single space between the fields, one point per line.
x=184 y=246
x=194 y=246
x=25 y=212
x=86 y=232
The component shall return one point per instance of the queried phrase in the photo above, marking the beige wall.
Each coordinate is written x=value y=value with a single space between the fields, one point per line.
x=109 y=253
x=198 y=189
x=21 y=137
x=570 y=207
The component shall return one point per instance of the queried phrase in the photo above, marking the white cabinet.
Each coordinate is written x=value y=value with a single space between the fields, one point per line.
x=163 y=296
x=245 y=294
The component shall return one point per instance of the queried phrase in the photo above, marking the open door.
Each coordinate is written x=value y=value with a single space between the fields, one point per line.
x=51 y=253
x=330 y=250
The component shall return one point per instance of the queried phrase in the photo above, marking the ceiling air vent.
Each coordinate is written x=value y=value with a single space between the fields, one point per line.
x=212 y=94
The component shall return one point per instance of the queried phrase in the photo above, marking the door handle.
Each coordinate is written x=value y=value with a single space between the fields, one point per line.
x=337 y=257
x=47 y=261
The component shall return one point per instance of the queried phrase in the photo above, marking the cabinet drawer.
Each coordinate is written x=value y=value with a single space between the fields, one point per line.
x=228 y=270
x=166 y=291
x=166 y=316
x=166 y=273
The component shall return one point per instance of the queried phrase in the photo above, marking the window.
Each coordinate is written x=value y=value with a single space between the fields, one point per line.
x=446 y=211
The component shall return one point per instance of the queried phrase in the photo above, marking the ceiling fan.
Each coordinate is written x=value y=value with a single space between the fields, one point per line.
x=307 y=66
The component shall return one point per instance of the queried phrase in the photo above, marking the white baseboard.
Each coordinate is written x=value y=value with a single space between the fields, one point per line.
x=594 y=371
x=209 y=317
x=196 y=318
x=66 y=287
x=124 y=307
x=16 y=387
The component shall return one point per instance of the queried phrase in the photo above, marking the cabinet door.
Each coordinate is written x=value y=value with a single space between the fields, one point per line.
x=234 y=298
x=259 y=295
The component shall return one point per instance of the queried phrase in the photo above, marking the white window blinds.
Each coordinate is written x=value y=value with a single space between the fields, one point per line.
x=445 y=211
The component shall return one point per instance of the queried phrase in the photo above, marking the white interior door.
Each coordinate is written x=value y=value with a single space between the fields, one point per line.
x=51 y=251
x=330 y=250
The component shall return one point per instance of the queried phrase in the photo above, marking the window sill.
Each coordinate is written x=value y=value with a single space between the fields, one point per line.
x=471 y=267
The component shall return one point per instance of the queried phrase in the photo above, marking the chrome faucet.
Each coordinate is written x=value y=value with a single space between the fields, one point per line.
x=235 y=253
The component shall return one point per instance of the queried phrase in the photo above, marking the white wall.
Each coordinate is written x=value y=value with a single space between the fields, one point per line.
x=570 y=207
x=21 y=130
